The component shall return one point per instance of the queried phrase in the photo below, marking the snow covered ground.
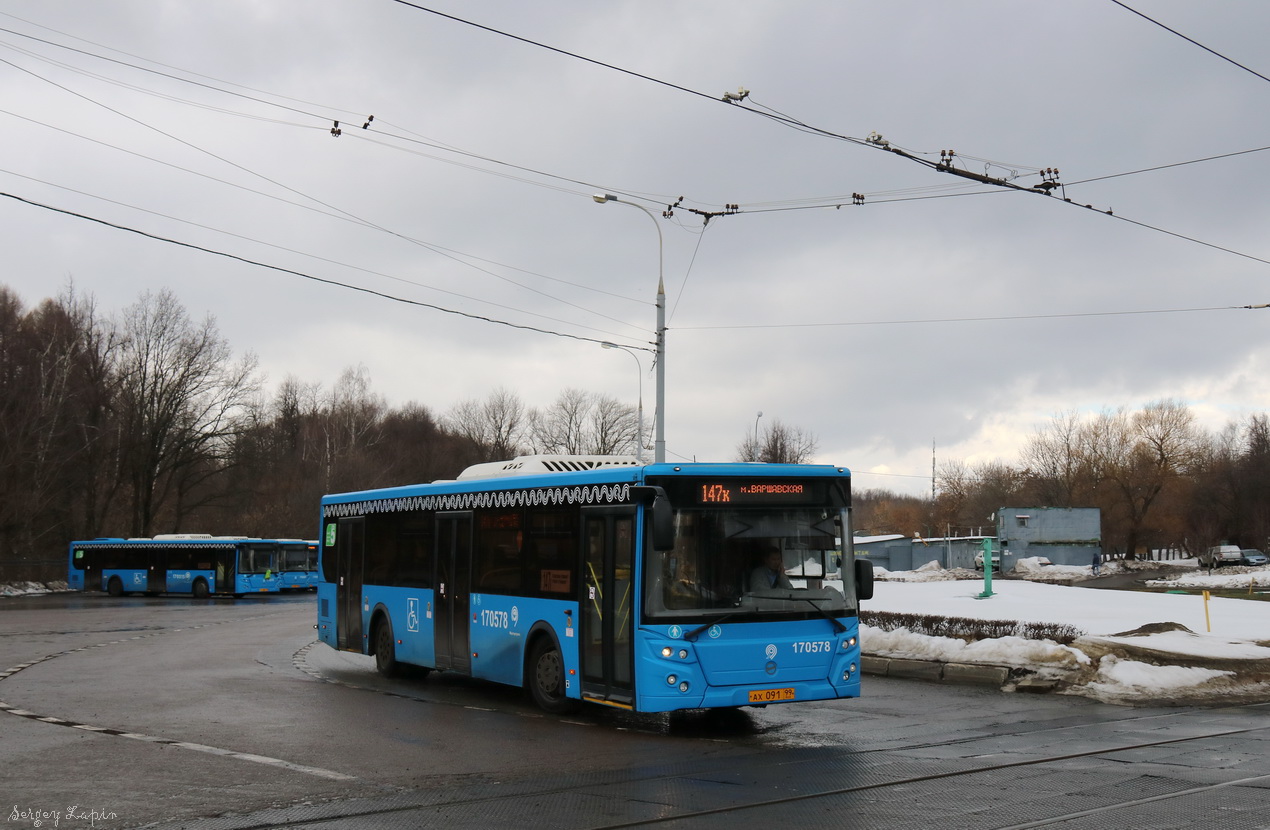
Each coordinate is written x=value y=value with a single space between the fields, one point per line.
x=1205 y=652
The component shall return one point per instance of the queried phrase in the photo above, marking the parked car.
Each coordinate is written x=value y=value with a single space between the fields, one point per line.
x=1219 y=555
x=1249 y=556
x=996 y=562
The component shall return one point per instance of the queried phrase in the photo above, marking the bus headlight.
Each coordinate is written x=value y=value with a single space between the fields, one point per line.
x=671 y=680
x=666 y=651
x=683 y=654
x=683 y=687
x=848 y=643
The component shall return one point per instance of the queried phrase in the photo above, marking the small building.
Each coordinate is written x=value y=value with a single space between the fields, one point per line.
x=901 y=553
x=1063 y=535
x=952 y=551
x=894 y=552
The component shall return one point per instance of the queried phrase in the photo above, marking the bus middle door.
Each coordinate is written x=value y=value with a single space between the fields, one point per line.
x=451 y=629
x=608 y=622
x=157 y=572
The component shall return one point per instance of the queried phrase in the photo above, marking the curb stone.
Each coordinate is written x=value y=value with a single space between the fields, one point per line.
x=965 y=673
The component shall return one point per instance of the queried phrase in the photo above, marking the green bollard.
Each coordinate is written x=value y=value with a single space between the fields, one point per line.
x=987 y=570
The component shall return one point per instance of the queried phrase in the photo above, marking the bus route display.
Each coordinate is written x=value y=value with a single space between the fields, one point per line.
x=742 y=492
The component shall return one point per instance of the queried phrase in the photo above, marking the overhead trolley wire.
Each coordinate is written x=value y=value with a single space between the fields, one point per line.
x=306 y=276
x=341 y=213
x=927 y=321
x=770 y=113
x=1190 y=40
x=874 y=141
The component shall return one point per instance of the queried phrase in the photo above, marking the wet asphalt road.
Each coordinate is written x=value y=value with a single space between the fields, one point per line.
x=224 y=714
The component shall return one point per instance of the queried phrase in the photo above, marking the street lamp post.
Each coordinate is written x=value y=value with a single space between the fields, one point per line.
x=756 y=445
x=639 y=444
x=659 y=441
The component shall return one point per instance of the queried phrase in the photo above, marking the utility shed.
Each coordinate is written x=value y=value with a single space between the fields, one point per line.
x=893 y=551
x=1063 y=535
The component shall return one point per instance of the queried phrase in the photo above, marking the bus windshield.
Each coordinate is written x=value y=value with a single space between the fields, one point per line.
x=258 y=559
x=748 y=563
x=299 y=557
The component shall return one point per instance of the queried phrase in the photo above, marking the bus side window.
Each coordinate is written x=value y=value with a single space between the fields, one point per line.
x=414 y=557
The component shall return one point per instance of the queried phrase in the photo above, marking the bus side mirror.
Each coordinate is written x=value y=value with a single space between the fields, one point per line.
x=663 y=523
x=863 y=579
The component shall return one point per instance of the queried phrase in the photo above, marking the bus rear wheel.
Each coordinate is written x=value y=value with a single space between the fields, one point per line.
x=115 y=587
x=200 y=589
x=385 y=651
x=545 y=679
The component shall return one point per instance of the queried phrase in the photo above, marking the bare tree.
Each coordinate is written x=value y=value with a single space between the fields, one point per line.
x=1135 y=456
x=614 y=427
x=584 y=423
x=1056 y=464
x=562 y=427
x=496 y=425
x=54 y=408
x=778 y=443
x=880 y=512
x=350 y=429
x=180 y=401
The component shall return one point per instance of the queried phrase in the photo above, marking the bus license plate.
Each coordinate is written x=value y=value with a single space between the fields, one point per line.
x=771 y=695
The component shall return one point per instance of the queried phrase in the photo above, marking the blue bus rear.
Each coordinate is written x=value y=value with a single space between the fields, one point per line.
x=195 y=564
x=624 y=585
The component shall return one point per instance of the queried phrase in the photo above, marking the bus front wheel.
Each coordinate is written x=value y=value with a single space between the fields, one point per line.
x=200 y=589
x=385 y=651
x=546 y=679
x=115 y=587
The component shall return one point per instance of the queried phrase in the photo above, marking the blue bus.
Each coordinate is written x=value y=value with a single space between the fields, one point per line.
x=297 y=565
x=602 y=580
x=179 y=563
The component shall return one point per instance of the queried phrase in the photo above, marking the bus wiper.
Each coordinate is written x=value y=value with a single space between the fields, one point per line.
x=837 y=626
x=691 y=635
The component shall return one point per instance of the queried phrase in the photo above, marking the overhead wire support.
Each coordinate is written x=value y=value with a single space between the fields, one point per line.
x=1049 y=175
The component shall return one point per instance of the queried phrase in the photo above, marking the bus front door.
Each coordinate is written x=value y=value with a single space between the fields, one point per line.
x=453 y=582
x=608 y=621
x=348 y=591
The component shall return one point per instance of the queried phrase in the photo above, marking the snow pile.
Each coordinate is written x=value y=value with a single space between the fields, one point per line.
x=1125 y=681
x=19 y=589
x=1000 y=651
x=1039 y=569
x=930 y=572
x=1224 y=579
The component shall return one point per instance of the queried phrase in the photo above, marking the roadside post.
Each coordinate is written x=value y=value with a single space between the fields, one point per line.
x=987 y=569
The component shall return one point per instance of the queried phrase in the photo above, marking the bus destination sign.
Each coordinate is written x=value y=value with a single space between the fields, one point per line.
x=752 y=491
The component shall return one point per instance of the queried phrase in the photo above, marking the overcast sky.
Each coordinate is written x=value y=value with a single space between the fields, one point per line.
x=940 y=312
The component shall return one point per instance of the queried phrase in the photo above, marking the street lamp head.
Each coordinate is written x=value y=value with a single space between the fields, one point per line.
x=604 y=197
x=607 y=345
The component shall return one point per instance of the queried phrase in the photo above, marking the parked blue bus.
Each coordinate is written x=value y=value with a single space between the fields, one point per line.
x=297 y=565
x=598 y=579
x=181 y=563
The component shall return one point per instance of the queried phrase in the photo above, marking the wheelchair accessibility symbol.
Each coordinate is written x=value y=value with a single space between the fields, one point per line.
x=412 y=614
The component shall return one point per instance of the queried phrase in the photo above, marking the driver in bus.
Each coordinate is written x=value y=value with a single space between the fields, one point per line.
x=771 y=574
